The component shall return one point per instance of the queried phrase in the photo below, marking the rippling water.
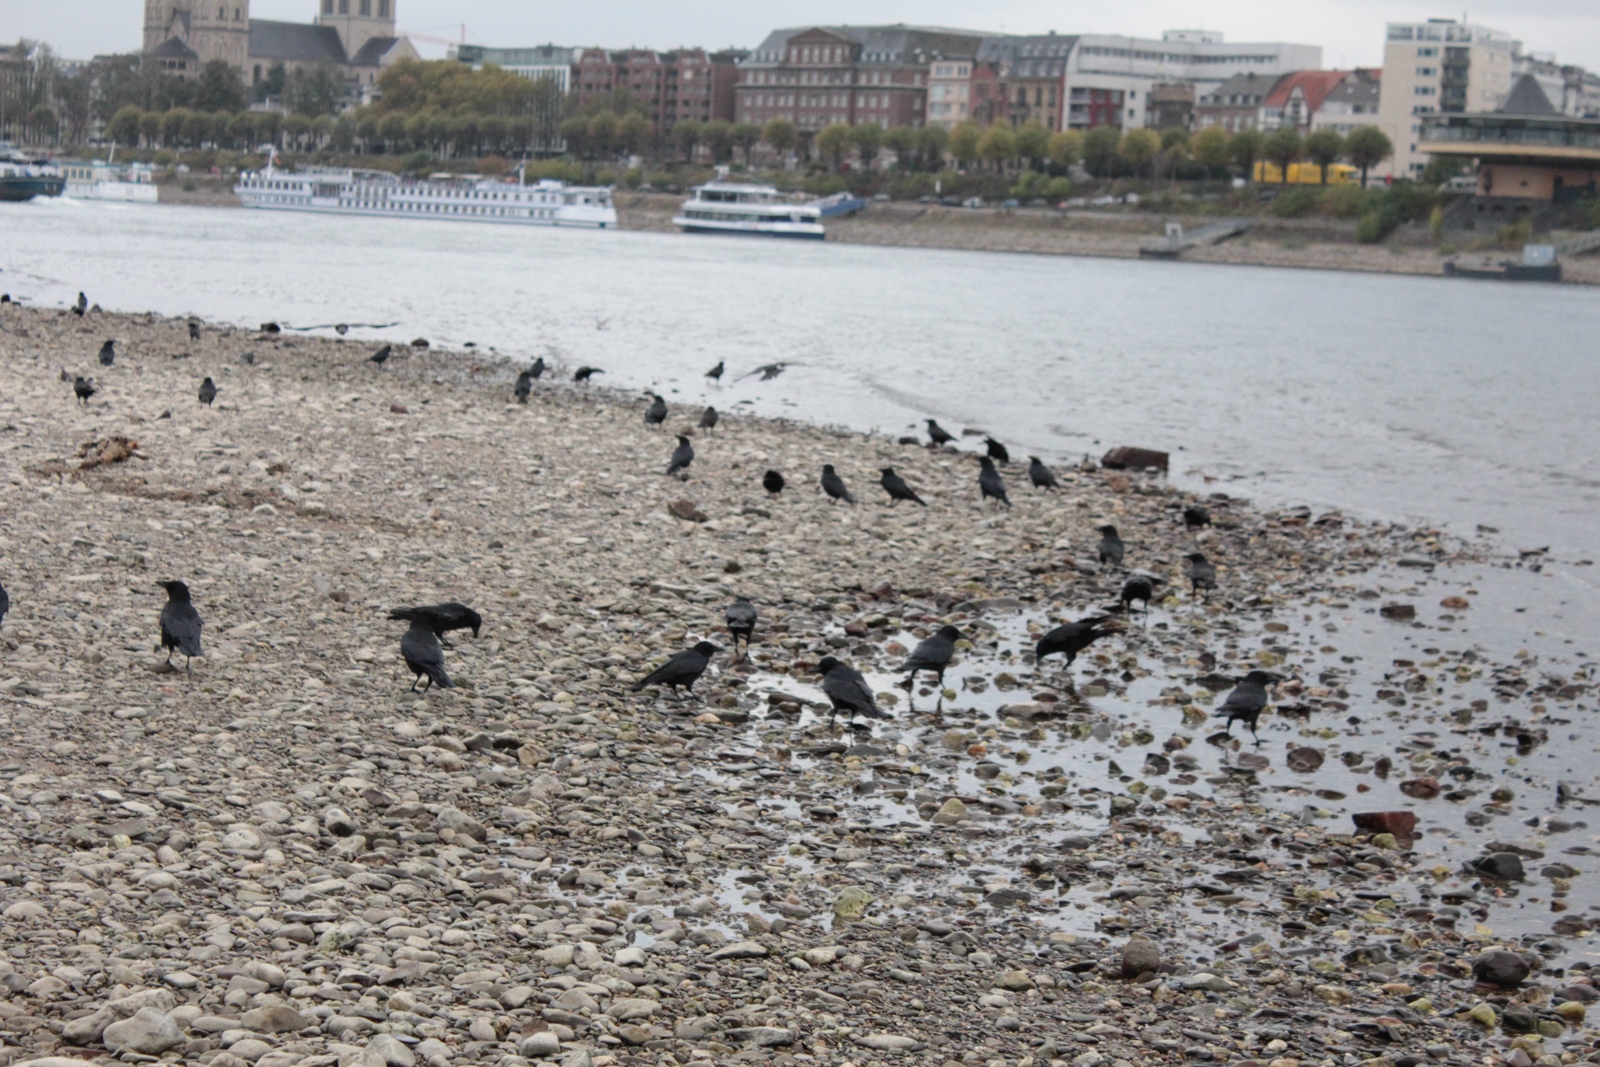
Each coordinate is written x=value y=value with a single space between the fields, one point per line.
x=1418 y=399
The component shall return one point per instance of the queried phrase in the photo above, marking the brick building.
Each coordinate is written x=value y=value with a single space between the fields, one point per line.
x=686 y=84
x=1018 y=80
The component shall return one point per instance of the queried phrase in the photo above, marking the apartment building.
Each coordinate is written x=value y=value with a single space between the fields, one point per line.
x=1354 y=103
x=689 y=83
x=546 y=61
x=1438 y=67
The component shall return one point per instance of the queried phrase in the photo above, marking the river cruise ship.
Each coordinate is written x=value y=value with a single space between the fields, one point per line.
x=24 y=177
x=102 y=180
x=737 y=208
x=443 y=196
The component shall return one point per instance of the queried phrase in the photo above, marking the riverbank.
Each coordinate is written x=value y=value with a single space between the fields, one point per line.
x=285 y=858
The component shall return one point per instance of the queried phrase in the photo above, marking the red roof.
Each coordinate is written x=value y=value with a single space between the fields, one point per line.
x=1315 y=85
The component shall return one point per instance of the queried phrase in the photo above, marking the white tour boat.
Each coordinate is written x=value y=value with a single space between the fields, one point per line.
x=734 y=207
x=443 y=196
x=134 y=183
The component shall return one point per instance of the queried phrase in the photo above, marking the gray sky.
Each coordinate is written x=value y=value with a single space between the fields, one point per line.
x=1350 y=31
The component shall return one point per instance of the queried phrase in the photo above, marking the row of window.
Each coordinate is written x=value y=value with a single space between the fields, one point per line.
x=363 y=7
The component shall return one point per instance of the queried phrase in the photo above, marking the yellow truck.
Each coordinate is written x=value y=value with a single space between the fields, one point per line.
x=1307 y=174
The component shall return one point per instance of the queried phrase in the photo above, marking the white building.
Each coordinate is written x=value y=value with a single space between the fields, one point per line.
x=1433 y=67
x=545 y=61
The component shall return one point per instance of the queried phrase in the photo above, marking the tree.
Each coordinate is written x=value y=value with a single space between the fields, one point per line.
x=1367 y=146
x=271 y=87
x=964 y=142
x=1066 y=148
x=1138 y=147
x=492 y=132
x=902 y=141
x=600 y=140
x=687 y=136
x=1033 y=144
x=295 y=128
x=42 y=121
x=172 y=122
x=833 y=141
x=342 y=135
x=1100 y=150
x=780 y=136
x=867 y=138
x=75 y=97
x=572 y=132
x=200 y=127
x=1283 y=148
x=717 y=136
x=1324 y=147
x=932 y=143
x=1246 y=147
x=318 y=89
x=242 y=130
x=219 y=88
x=745 y=135
x=1209 y=148
x=150 y=127
x=998 y=145
x=634 y=133
x=1174 y=137
x=268 y=123
x=392 y=129
x=123 y=129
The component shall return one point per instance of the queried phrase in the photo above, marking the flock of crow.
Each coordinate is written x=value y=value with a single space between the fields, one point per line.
x=423 y=643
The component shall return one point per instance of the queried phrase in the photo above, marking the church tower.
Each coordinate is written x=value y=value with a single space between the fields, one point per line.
x=358 y=21
x=212 y=29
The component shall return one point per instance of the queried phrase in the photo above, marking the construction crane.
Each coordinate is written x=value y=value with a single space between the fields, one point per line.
x=430 y=39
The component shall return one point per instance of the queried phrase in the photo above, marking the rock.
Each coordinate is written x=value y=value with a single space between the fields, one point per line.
x=632 y=956
x=539 y=1045
x=888 y=1042
x=630 y=1009
x=88 y=1029
x=1506 y=866
x=1423 y=788
x=634 y=1034
x=1304 y=759
x=482 y=1029
x=852 y=903
x=252 y=1049
x=148 y=1031
x=1016 y=981
x=1121 y=805
x=452 y=818
x=950 y=812
x=391 y=1051
x=760 y=1036
x=1518 y=1019
x=1500 y=968
x=686 y=510
x=578 y=1058
x=1140 y=956
x=556 y=955
x=740 y=950
x=1386 y=822
x=430 y=1047
x=1205 y=980
x=338 y=823
x=274 y=1019
x=1128 y=458
x=1398 y=612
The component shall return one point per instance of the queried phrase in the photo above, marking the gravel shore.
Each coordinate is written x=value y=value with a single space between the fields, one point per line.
x=286 y=858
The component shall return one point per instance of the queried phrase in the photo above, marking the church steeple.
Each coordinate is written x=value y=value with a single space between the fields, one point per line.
x=358 y=21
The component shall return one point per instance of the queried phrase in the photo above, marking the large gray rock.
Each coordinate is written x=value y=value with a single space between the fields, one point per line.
x=148 y=1031
x=273 y=1019
x=740 y=950
x=1140 y=956
x=1503 y=865
x=1501 y=968
x=539 y=1045
x=392 y=1051
x=628 y=1009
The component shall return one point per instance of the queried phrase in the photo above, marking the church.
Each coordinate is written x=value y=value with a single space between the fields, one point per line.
x=357 y=36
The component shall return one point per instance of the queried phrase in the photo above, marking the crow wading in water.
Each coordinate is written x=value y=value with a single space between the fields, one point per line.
x=1201 y=572
x=1071 y=639
x=1111 y=547
x=741 y=619
x=848 y=691
x=1247 y=701
x=932 y=654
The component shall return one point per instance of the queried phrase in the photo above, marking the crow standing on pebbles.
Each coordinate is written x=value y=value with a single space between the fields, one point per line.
x=1072 y=638
x=1111 y=547
x=709 y=418
x=897 y=488
x=715 y=373
x=990 y=484
x=1040 y=475
x=1247 y=701
x=996 y=450
x=1137 y=587
x=81 y=306
x=741 y=619
x=420 y=648
x=381 y=356
x=682 y=456
x=108 y=353
x=537 y=370
x=938 y=434
x=194 y=330
x=442 y=618
x=1201 y=572
x=583 y=374
x=1195 y=516
x=656 y=413
x=84 y=388
x=523 y=387
x=834 y=486
x=772 y=482
x=933 y=654
x=847 y=690
x=180 y=623
x=208 y=392
x=5 y=604
x=682 y=669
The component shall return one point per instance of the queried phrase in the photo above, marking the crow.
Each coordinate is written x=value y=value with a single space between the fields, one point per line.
x=681 y=669
x=443 y=618
x=537 y=370
x=715 y=373
x=847 y=690
x=271 y=328
x=341 y=329
x=990 y=484
x=1137 y=587
x=194 y=330
x=1201 y=572
x=897 y=488
x=768 y=371
x=938 y=434
x=5 y=604
x=180 y=623
x=1247 y=701
x=656 y=413
x=996 y=450
x=772 y=482
x=420 y=648
x=709 y=418
x=1072 y=638
x=583 y=374
x=381 y=356
x=81 y=306
x=523 y=387
x=1195 y=516
x=834 y=486
x=682 y=456
x=1111 y=547
x=741 y=619
x=84 y=388
x=108 y=353
x=208 y=392
x=1041 y=475
x=933 y=654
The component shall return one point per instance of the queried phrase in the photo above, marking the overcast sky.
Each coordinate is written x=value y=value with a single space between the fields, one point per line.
x=1350 y=31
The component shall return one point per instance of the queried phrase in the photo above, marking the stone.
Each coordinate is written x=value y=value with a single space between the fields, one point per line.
x=1016 y=981
x=630 y=1009
x=391 y=1051
x=1386 y=822
x=950 y=812
x=578 y=1058
x=1500 y=968
x=632 y=956
x=539 y=1045
x=1204 y=980
x=1518 y=1019
x=454 y=819
x=1304 y=759
x=88 y=1029
x=250 y=1049
x=1140 y=956
x=556 y=955
x=274 y=1019
x=1506 y=866
x=149 y=1031
x=634 y=1034
x=741 y=950
x=482 y=1029
x=852 y=902
x=1426 y=787
x=760 y=1036
x=888 y=1042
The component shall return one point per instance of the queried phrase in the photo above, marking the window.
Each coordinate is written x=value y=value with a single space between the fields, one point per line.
x=383 y=9
x=344 y=7
x=366 y=7
x=1427 y=72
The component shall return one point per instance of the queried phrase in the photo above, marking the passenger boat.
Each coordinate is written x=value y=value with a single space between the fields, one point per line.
x=737 y=208
x=443 y=196
x=22 y=178
x=134 y=183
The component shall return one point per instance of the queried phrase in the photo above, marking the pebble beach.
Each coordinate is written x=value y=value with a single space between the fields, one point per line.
x=285 y=858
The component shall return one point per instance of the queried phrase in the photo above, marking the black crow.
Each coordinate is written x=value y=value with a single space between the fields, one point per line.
x=381 y=356
x=709 y=418
x=682 y=456
x=656 y=413
x=84 y=388
x=1111 y=547
x=583 y=374
x=274 y=328
x=715 y=373
x=5 y=604
x=897 y=488
x=537 y=370
x=772 y=482
x=682 y=669
x=1195 y=516
x=768 y=371
x=1137 y=587
x=996 y=450
x=442 y=617
x=208 y=392
x=847 y=691
x=1072 y=638
x=108 y=353
x=180 y=623
x=341 y=329
x=1201 y=572
x=1040 y=475
x=194 y=330
x=1247 y=701
x=523 y=387
x=833 y=485
x=741 y=619
x=938 y=434
x=81 y=306
x=420 y=648
x=990 y=484
x=933 y=654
